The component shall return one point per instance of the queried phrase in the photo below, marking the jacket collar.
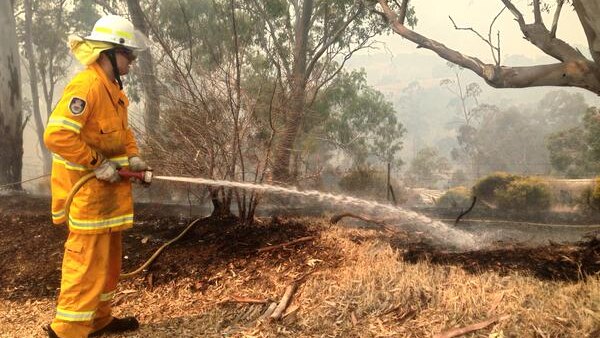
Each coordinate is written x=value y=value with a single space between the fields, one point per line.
x=112 y=87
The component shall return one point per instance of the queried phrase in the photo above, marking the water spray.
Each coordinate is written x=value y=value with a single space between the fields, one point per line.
x=439 y=230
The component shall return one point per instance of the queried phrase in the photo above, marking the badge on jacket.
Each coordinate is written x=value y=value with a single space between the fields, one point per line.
x=77 y=105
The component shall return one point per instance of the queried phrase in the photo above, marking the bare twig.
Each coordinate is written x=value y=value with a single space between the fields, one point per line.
x=296 y=241
x=467 y=211
x=470 y=328
x=494 y=49
x=336 y=218
x=241 y=299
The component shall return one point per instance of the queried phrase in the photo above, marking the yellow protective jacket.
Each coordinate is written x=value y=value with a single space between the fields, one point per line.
x=88 y=124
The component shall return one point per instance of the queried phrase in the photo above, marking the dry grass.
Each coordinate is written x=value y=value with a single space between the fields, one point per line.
x=369 y=292
x=391 y=298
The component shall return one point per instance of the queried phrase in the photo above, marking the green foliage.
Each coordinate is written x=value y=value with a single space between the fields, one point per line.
x=201 y=32
x=427 y=168
x=568 y=153
x=591 y=124
x=524 y=194
x=575 y=152
x=458 y=197
x=52 y=22
x=364 y=182
x=485 y=189
x=360 y=121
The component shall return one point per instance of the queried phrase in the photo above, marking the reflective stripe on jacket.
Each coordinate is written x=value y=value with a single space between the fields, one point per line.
x=89 y=124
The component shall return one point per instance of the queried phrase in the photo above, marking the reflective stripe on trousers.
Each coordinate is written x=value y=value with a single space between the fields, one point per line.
x=90 y=272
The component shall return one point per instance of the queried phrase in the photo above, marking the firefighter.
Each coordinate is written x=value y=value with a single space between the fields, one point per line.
x=88 y=132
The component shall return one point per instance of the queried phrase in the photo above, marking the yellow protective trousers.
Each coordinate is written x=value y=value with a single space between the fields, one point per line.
x=90 y=272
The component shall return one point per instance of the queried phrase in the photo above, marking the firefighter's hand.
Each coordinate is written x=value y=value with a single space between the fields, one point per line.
x=107 y=171
x=137 y=164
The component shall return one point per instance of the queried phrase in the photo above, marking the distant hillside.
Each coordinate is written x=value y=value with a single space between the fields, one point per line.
x=426 y=112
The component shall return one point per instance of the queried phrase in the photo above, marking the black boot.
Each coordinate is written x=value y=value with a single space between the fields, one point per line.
x=51 y=333
x=118 y=325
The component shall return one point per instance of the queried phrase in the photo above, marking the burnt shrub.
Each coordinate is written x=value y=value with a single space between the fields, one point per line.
x=524 y=194
x=485 y=188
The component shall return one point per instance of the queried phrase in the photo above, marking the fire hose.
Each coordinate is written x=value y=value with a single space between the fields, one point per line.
x=146 y=177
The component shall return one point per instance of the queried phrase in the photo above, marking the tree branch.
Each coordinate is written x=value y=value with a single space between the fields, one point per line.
x=106 y=7
x=487 y=41
x=497 y=59
x=537 y=14
x=403 y=10
x=541 y=37
x=332 y=39
x=559 y=4
x=278 y=46
x=518 y=15
x=588 y=12
x=575 y=72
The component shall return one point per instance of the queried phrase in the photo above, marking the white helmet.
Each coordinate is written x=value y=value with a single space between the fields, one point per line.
x=119 y=31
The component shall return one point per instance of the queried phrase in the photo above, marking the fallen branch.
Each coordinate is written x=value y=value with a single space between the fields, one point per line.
x=296 y=241
x=336 y=218
x=239 y=299
x=473 y=327
x=284 y=302
x=269 y=311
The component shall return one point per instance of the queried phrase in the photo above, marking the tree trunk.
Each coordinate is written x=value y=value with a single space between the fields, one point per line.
x=281 y=170
x=11 y=142
x=221 y=203
x=33 y=84
x=151 y=95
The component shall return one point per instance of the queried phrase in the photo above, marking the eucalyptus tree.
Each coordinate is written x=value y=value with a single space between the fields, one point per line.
x=360 y=121
x=43 y=30
x=11 y=121
x=427 y=169
x=307 y=43
x=469 y=111
x=575 y=152
x=573 y=68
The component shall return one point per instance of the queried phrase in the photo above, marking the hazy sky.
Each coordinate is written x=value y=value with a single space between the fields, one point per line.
x=434 y=23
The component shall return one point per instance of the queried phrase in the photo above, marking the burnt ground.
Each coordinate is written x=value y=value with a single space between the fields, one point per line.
x=31 y=249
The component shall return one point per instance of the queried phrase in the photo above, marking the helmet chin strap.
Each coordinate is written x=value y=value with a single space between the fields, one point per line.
x=113 y=61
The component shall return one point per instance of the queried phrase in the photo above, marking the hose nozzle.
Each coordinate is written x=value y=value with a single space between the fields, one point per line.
x=144 y=176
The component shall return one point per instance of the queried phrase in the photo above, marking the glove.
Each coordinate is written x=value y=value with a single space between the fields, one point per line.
x=107 y=171
x=137 y=164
